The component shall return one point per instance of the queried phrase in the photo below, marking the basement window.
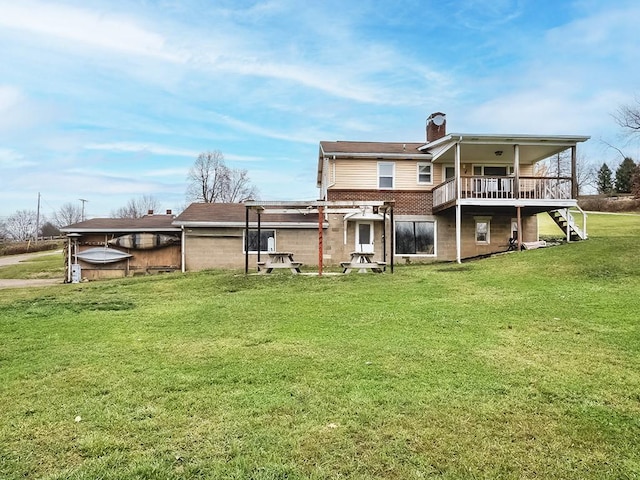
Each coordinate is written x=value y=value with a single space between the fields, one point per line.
x=483 y=230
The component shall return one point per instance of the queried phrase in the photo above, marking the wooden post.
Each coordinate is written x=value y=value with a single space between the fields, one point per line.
x=320 y=252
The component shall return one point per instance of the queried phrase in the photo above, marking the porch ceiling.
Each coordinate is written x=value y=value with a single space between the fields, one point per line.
x=500 y=149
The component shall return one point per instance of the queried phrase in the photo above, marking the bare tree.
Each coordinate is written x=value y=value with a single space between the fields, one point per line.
x=137 y=207
x=628 y=117
x=559 y=165
x=21 y=225
x=211 y=181
x=68 y=214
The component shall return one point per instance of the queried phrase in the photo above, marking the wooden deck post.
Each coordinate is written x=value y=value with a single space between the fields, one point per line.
x=320 y=239
x=574 y=176
x=458 y=206
x=516 y=172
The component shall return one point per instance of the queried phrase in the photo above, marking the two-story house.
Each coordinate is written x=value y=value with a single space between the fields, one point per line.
x=451 y=197
x=454 y=196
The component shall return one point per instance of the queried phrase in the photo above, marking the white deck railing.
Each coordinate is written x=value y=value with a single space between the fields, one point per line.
x=531 y=188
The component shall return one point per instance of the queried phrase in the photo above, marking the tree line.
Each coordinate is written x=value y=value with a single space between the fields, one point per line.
x=209 y=180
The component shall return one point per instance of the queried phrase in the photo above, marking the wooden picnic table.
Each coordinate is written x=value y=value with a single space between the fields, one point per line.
x=280 y=260
x=363 y=262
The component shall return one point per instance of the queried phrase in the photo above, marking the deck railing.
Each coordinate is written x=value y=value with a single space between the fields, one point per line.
x=480 y=187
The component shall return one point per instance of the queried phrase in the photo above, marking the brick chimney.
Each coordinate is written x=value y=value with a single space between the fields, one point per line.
x=436 y=126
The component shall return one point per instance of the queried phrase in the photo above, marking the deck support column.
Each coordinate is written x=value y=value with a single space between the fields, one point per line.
x=458 y=206
x=516 y=171
x=320 y=239
x=574 y=176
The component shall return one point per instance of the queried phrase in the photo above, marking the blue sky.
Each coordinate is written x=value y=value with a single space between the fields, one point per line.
x=108 y=100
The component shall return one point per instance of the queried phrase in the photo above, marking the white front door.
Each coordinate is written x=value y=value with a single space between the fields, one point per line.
x=364 y=237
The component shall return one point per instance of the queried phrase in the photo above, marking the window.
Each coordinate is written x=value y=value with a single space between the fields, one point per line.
x=424 y=173
x=492 y=170
x=483 y=230
x=265 y=235
x=385 y=174
x=415 y=238
x=449 y=172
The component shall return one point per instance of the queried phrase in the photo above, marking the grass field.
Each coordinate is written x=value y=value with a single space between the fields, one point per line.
x=524 y=365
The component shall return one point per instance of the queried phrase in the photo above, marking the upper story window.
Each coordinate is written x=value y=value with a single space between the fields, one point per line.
x=386 y=172
x=493 y=170
x=425 y=173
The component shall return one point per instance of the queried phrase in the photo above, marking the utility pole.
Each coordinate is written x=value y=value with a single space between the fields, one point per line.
x=38 y=218
x=83 y=202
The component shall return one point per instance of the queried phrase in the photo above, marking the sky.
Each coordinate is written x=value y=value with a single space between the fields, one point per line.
x=109 y=100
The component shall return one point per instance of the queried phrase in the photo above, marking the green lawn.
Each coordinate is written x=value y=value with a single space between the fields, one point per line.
x=524 y=365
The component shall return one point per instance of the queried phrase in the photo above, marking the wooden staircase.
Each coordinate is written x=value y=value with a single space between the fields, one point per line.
x=561 y=217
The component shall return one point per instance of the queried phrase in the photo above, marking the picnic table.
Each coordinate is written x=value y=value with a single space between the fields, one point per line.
x=363 y=262
x=280 y=260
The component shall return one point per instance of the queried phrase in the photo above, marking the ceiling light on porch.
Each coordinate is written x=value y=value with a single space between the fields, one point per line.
x=498 y=153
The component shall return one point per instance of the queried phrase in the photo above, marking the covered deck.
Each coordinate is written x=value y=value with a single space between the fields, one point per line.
x=476 y=158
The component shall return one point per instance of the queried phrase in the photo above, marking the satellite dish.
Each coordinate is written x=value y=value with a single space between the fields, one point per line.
x=438 y=120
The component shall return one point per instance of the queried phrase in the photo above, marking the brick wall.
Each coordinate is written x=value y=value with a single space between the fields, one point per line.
x=407 y=202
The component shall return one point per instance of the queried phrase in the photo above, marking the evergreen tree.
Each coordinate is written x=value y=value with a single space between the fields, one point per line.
x=605 y=180
x=624 y=174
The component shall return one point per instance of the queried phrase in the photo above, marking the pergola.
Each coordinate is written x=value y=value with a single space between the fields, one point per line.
x=321 y=207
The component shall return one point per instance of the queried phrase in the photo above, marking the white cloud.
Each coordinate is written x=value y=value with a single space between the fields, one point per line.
x=84 y=28
x=14 y=160
x=142 y=147
x=258 y=130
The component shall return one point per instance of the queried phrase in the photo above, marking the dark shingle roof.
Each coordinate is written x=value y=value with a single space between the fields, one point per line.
x=234 y=213
x=146 y=223
x=343 y=148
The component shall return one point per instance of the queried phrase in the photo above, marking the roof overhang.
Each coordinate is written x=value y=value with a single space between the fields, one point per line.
x=252 y=224
x=484 y=148
x=73 y=231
